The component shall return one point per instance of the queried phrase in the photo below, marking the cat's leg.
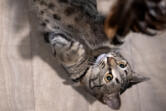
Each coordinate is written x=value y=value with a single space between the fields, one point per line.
x=67 y=50
x=70 y=53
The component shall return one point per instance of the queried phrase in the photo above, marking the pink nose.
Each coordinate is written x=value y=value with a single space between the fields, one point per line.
x=112 y=61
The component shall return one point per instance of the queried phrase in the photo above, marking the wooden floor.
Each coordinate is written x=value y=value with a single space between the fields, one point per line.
x=31 y=80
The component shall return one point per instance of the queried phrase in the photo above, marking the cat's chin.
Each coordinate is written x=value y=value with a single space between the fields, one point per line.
x=100 y=57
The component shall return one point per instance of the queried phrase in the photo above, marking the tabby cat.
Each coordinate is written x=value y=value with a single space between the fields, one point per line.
x=73 y=28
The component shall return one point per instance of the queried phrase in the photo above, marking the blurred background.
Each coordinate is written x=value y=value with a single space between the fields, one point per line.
x=32 y=80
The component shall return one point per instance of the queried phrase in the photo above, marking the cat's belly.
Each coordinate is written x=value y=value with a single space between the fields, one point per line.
x=72 y=19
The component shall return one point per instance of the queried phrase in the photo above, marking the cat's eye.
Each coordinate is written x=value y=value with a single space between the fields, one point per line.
x=108 y=77
x=122 y=64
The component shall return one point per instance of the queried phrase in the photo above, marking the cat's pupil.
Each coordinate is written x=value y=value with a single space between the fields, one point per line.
x=122 y=65
x=109 y=78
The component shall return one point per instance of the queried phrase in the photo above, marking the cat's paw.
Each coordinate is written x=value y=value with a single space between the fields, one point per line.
x=77 y=48
x=67 y=49
x=73 y=53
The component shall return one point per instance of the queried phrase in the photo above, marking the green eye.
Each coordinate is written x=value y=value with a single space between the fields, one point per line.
x=108 y=77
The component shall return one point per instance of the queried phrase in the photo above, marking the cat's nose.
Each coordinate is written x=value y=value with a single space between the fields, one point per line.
x=112 y=61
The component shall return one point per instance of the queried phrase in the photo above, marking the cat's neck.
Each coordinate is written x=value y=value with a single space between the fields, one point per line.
x=78 y=70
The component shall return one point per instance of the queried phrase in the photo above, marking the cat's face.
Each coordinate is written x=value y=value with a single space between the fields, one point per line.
x=109 y=77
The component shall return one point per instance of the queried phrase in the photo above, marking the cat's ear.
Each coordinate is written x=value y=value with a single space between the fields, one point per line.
x=113 y=101
x=137 y=78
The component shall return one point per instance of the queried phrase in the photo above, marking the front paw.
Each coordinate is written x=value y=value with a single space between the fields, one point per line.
x=73 y=53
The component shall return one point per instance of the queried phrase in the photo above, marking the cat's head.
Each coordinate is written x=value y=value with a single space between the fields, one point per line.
x=109 y=77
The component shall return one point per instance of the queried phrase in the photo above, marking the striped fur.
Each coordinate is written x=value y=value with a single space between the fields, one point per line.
x=80 y=46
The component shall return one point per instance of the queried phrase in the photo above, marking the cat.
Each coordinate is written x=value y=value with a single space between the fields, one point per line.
x=78 y=41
